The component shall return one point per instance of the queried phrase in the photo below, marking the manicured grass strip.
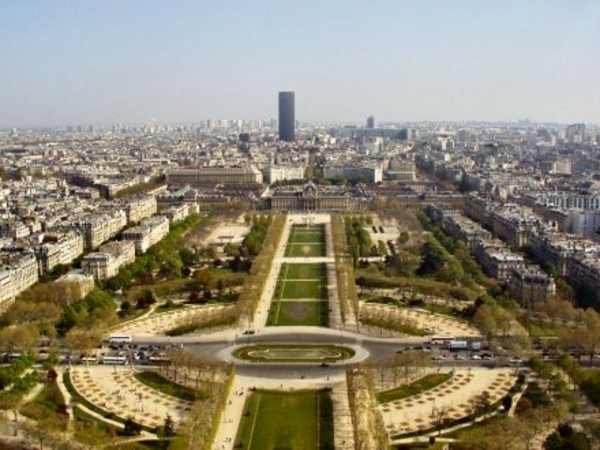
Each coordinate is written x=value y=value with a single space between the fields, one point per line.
x=416 y=387
x=306 y=242
x=300 y=271
x=300 y=420
x=305 y=250
x=297 y=289
x=290 y=313
x=159 y=383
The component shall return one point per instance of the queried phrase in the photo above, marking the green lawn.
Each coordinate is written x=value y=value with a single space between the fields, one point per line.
x=301 y=281
x=289 y=313
x=306 y=242
x=296 y=289
x=416 y=387
x=300 y=420
x=157 y=382
x=305 y=250
x=314 y=234
x=294 y=353
x=303 y=271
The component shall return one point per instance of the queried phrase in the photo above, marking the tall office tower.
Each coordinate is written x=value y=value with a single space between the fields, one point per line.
x=287 y=120
x=576 y=133
x=370 y=122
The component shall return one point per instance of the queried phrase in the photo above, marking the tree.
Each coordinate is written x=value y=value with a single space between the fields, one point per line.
x=18 y=338
x=90 y=435
x=507 y=403
x=188 y=257
x=205 y=279
x=485 y=321
x=131 y=427
x=440 y=417
x=169 y=426
x=10 y=401
x=565 y=438
x=82 y=340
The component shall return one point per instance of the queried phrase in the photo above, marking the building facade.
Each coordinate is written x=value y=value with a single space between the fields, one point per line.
x=287 y=116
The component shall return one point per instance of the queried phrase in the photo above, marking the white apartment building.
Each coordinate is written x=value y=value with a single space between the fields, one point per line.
x=58 y=249
x=584 y=223
x=18 y=272
x=106 y=263
x=176 y=213
x=279 y=173
x=139 y=208
x=147 y=233
x=100 y=228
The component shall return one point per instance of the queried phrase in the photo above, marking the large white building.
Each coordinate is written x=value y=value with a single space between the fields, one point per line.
x=106 y=263
x=58 y=249
x=138 y=208
x=18 y=272
x=353 y=172
x=279 y=173
x=147 y=233
x=100 y=228
x=584 y=223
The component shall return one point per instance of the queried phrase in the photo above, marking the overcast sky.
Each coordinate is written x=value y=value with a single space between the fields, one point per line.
x=71 y=62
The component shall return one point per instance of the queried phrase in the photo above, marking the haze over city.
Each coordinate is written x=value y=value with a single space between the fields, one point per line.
x=68 y=62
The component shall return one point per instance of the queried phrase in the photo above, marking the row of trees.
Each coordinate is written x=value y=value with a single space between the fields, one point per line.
x=212 y=381
x=259 y=272
x=367 y=422
x=359 y=240
x=164 y=260
x=344 y=266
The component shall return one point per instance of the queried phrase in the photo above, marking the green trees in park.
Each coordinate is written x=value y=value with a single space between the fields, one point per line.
x=212 y=381
x=359 y=240
x=253 y=241
x=566 y=438
x=164 y=260
x=261 y=266
x=369 y=428
x=344 y=266
x=96 y=310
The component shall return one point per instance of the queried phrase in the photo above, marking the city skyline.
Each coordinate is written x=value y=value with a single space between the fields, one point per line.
x=66 y=62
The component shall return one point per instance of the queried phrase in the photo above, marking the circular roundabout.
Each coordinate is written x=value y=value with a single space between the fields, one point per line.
x=292 y=353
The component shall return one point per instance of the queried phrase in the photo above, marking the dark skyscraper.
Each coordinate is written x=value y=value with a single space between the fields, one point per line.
x=370 y=122
x=287 y=118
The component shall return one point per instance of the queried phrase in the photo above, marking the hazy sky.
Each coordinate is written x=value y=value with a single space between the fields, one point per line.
x=70 y=62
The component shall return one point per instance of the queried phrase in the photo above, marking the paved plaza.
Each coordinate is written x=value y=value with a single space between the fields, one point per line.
x=159 y=323
x=454 y=397
x=115 y=390
x=431 y=323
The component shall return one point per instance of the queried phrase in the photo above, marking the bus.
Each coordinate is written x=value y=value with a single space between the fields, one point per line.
x=120 y=338
x=159 y=360
x=89 y=360
x=115 y=360
x=441 y=339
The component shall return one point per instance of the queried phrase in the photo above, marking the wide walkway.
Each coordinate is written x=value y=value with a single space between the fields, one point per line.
x=343 y=430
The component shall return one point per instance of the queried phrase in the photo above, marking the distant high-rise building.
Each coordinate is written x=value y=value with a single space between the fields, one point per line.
x=287 y=119
x=576 y=133
x=370 y=122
